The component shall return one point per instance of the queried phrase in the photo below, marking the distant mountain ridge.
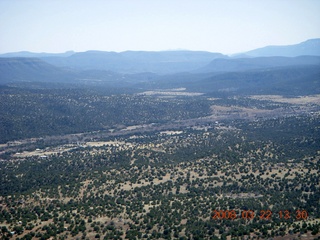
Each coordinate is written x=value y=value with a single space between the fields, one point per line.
x=27 y=54
x=310 y=47
x=136 y=61
x=169 y=62
x=195 y=70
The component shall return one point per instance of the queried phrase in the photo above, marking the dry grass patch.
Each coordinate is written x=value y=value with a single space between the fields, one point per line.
x=302 y=100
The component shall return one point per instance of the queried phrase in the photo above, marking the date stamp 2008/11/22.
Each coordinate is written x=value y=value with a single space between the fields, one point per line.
x=263 y=215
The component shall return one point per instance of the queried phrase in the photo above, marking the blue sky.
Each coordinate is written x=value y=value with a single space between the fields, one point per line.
x=226 y=26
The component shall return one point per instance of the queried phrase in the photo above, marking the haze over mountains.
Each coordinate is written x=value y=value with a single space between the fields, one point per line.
x=193 y=69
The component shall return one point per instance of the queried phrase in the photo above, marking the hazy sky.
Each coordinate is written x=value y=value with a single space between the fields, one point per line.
x=226 y=26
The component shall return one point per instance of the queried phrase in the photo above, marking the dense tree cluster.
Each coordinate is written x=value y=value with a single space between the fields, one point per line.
x=26 y=113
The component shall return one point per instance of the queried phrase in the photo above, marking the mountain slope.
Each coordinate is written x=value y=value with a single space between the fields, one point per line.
x=19 y=70
x=30 y=69
x=309 y=47
x=244 y=64
x=289 y=80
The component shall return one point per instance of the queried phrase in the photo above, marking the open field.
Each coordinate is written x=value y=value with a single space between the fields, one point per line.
x=303 y=100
